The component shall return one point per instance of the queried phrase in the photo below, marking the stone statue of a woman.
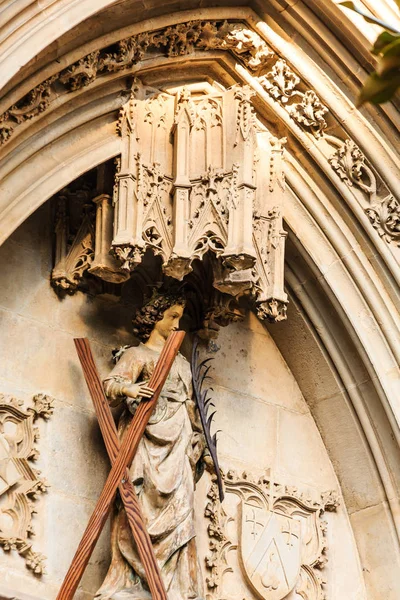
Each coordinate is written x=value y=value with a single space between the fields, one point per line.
x=165 y=467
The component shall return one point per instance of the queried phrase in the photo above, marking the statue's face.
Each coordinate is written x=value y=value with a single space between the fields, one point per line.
x=170 y=320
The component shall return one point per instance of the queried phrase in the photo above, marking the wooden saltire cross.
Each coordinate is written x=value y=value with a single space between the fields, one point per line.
x=121 y=457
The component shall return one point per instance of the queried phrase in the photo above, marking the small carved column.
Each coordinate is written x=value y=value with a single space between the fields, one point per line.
x=61 y=232
x=269 y=234
x=181 y=255
x=277 y=235
x=104 y=265
x=128 y=243
x=72 y=262
x=239 y=252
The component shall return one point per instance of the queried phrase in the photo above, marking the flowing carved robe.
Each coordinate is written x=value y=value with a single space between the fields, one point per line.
x=163 y=473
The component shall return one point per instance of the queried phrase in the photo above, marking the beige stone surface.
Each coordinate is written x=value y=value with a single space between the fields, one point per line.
x=37 y=326
x=248 y=363
x=378 y=562
x=315 y=400
x=248 y=430
x=345 y=441
x=264 y=420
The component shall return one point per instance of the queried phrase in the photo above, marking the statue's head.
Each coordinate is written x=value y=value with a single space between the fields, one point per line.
x=162 y=312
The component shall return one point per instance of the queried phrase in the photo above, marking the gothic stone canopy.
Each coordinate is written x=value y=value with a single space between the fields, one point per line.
x=198 y=173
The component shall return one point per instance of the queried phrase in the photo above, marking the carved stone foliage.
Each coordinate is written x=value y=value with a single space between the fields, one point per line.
x=309 y=113
x=31 y=105
x=176 y=40
x=304 y=107
x=382 y=209
x=208 y=193
x=350 y=164
x=385 y=218
x=20 y=482
x=271 y=534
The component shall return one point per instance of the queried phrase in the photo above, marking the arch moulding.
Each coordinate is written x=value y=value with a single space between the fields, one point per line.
x=341 y=202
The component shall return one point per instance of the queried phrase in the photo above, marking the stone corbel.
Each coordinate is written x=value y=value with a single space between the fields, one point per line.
x=179 y=263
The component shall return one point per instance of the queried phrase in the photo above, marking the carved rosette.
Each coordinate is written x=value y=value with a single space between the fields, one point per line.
x=20 y=482
x=269 y=532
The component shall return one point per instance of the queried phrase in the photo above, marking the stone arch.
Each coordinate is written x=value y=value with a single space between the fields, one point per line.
x=342 y=272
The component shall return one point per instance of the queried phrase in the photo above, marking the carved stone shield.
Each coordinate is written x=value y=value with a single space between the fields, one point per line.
x=270 y=550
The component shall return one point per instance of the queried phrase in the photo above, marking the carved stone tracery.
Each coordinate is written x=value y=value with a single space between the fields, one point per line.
x=197 y=174
x=206 y=193
x=20 y=482
x=74 y=248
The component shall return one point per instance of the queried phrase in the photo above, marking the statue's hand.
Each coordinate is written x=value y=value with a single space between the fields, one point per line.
x=138 y=390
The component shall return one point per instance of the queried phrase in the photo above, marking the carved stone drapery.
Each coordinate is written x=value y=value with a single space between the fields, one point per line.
x=272 y=535
x=20 y=482
x=197 y=173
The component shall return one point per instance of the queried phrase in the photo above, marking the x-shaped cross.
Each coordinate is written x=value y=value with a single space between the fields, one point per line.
x=120 y=457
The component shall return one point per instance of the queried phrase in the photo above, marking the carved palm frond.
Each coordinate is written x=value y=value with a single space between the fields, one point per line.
x=200 y=370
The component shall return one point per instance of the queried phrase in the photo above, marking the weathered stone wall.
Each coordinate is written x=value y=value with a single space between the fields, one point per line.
x=265 y=423
x=266 y=427
x=38 y=355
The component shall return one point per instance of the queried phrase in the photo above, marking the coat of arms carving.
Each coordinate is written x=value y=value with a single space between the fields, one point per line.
x=270 y=535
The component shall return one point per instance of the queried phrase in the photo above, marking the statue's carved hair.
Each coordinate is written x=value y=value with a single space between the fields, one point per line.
x=153 y=311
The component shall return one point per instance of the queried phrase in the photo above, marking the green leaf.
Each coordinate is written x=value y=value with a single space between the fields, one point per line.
x=378 y=89
x=369 y=18
x=383 y=40
x=392 y=49
x=387 y=64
